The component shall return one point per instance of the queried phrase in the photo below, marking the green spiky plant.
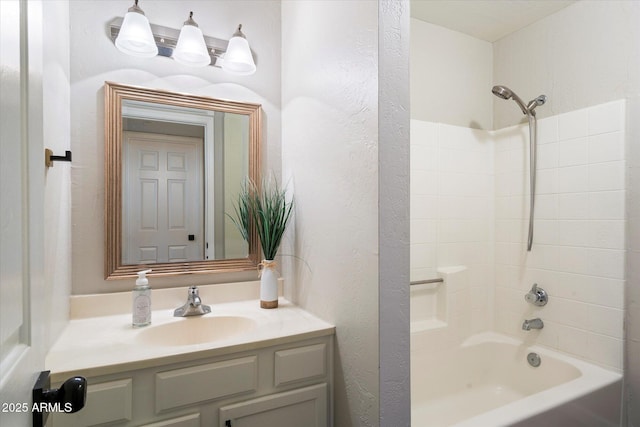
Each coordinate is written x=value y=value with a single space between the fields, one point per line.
x=242 y=212
x=269 y=210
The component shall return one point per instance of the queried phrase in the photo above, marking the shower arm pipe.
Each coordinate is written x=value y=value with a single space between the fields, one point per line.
x=533 y=143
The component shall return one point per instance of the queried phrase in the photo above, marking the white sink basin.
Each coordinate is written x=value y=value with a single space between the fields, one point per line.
x=195 y=330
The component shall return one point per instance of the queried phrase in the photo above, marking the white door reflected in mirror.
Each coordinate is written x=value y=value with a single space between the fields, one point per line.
x=162 y=199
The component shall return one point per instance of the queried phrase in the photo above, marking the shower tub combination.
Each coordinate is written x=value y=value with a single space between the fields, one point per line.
x=493 y=380
x=488 y=382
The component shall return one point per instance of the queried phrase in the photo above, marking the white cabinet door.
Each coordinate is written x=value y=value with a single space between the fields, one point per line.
x=303 y=407
x=22 y=343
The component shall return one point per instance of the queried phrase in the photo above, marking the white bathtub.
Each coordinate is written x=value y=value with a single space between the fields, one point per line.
x=487 y=382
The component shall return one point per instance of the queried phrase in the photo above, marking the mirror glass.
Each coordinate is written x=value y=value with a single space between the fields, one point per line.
x=175 y=164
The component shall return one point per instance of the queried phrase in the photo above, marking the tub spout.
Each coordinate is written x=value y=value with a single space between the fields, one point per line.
x=536 y=323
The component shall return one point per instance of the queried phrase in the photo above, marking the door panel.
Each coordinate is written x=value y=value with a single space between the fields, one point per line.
x=163 y=195
x=177 y=204
x=11 y=196
x=149 y=204
x=22 y=328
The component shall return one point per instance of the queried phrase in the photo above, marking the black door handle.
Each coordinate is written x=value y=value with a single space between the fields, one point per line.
x=192 y=237
x=69 y=398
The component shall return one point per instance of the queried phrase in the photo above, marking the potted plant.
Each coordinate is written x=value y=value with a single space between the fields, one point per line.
x=268 y=209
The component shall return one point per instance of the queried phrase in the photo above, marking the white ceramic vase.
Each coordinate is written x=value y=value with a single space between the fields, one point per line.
x=268 y=284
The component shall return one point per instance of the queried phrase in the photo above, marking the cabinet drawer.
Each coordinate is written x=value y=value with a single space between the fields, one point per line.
x=196 y=384
x=299 y=364
x=106 y=403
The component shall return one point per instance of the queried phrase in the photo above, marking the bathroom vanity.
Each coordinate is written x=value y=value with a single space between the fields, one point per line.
x=237 y=366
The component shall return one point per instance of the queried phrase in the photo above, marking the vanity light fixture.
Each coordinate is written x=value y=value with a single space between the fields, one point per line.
x=191 y=49
x=238 y=59
x=187 y=46
x=135 y=37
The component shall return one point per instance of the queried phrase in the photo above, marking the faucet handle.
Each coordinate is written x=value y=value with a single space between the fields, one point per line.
x=537 y=296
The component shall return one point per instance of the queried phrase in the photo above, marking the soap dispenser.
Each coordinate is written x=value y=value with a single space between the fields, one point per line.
x=142 y=301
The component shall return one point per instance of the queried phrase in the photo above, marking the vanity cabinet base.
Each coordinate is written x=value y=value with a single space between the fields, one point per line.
x=264 y=387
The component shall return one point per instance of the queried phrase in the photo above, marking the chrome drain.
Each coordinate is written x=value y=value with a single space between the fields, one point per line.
x=534 y=359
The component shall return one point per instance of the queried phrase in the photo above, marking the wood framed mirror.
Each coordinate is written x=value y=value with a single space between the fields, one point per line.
x=174 y=164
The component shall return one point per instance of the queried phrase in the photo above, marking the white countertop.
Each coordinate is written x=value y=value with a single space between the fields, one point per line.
x=102 y=345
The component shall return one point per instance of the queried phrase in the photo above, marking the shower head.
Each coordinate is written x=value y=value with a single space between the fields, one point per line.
x=506 y=93
x=502 y=92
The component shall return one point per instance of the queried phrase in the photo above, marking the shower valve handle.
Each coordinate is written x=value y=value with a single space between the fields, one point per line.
x=537 y=296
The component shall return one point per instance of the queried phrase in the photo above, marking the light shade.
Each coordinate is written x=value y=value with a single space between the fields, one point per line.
x=238 y=58
x=191 y=49
x=135 y=37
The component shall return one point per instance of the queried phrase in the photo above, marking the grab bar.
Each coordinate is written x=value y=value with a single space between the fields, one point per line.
x=423 y=282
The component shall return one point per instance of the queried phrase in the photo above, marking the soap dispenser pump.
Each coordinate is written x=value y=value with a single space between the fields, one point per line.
x=142 y=301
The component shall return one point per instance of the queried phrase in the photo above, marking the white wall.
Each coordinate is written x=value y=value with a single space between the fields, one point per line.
x=632 y=295
x=56 y=125
x=586 y=54
x=579 y=234
x=579 y=239
x=393 y=212
x=94 y=60
x=330 y=156
x=451 y=77
x=452 y=215
x=452 y=168
x=583 y=55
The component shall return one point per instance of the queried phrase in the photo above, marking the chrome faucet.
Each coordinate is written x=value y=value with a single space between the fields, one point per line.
x=536 y=323
x=193 y=306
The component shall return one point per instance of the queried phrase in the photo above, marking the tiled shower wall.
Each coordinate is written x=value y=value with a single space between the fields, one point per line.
x=579 y=237
x=470 y=206
x=452 y=215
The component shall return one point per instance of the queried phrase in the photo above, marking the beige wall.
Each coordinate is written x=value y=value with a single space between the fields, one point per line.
x=451 y=77
x=330 y=157
x=94 y=60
